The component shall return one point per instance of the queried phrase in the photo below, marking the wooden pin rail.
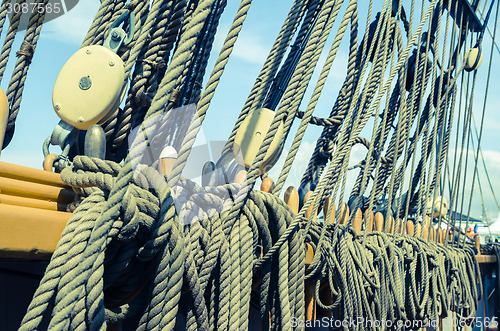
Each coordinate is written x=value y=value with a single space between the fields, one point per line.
x=367 y=223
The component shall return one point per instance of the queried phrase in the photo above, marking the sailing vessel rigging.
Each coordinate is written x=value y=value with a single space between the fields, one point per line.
x=138 y=245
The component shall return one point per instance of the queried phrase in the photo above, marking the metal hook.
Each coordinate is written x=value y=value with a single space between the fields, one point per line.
x=117 y=37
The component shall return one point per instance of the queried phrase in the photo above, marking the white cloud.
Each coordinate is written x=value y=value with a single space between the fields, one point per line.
x=495 y=225
x=249 y=47
x=72 y=27
x=492 y=161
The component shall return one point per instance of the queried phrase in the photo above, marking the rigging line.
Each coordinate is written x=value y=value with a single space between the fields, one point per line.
x=411 y=187
x=441 y=139
x=480 y=188
x=446 y=171
x=356 y=115
x=466 y=149
x=456 y=189
x=426 y=187
x=494 y=42
x=467 y=109
x=482 y=115
x=378 y=134
x=410 y=146
x=484 y=165
x=453 y=188
x=457 y=138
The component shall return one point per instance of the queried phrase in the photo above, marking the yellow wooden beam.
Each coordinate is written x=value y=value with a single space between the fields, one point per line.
x=30 y=233
x=33 y=203
x=34 y=190
x=486 y=258
x=27 y=174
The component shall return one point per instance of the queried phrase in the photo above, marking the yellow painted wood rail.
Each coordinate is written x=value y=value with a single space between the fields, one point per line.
x=29 y=233
x=32 y=211
x=14 y=171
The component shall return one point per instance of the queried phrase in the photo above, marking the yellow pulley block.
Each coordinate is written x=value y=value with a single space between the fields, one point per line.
x=4 y=115
x=89 y=87
x=250 y=136
x=439 y=208
x=473 y=59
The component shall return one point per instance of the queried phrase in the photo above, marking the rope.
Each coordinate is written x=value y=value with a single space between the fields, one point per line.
x=146 y=247
x=271 y=64
x=24 y=56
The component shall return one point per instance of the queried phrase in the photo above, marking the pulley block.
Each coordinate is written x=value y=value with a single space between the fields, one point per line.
x=250 y=136
x=89 y=87
x=473 y=59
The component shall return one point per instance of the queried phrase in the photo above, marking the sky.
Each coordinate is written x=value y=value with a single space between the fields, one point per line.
x=62 y=37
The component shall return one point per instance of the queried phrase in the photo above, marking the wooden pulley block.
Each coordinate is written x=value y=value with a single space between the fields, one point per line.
x=473 y=59
x=439 y=208
x=4 y=115
x=250 y=136
x=89 y=87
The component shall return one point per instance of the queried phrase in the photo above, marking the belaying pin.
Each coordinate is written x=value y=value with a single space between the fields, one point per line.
x=208 y=174
x=167 y=160
x=95 y=142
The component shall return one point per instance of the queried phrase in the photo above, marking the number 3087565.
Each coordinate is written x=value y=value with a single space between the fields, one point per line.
x=25 y=8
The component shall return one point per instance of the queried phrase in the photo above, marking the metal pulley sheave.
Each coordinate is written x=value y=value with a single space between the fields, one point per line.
x=91 y=86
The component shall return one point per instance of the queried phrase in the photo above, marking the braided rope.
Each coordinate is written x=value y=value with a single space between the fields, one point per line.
x=9 y=38
x=25 y=55
x=131 y=233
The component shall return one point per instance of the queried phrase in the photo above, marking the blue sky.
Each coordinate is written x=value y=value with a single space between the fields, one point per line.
x=62 y=37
